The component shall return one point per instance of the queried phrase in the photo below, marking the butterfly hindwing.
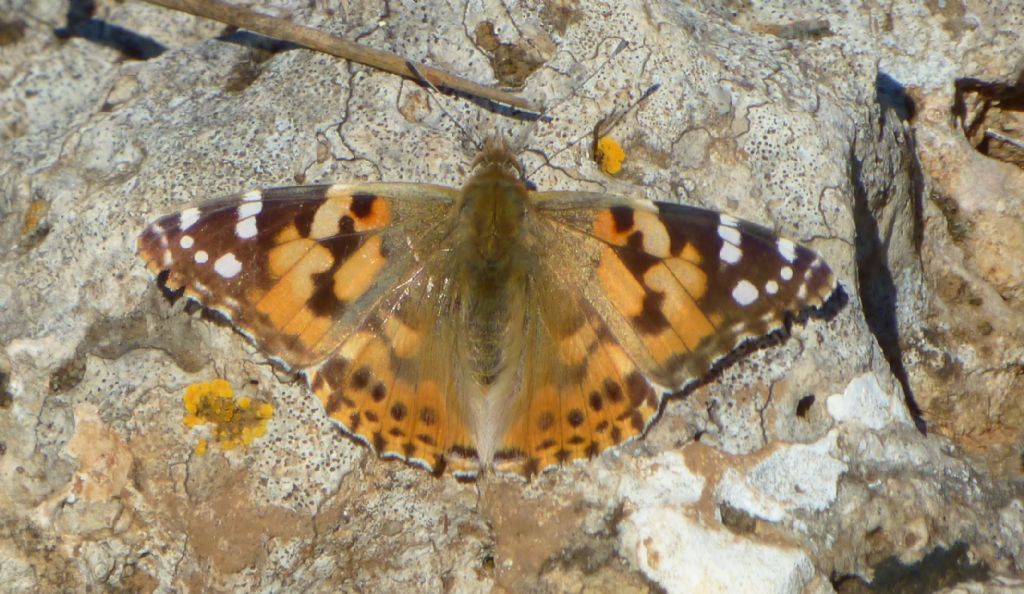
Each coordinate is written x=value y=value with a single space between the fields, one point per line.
x=393 y=382
x=580 y=392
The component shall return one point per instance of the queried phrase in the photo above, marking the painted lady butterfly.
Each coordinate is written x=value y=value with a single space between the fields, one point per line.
x=488 y=327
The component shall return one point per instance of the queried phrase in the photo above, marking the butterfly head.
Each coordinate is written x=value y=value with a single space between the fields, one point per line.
x=497 y=158
x=493 y=203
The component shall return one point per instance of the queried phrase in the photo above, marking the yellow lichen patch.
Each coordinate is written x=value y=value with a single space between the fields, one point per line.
x=232 y=422
x=609 y=155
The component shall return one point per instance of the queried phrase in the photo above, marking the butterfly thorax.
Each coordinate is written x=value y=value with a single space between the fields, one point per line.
x=493 y=204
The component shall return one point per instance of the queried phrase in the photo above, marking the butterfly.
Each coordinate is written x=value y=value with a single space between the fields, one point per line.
x=487 y=327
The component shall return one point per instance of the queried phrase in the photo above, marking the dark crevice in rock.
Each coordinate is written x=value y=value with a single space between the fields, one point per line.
x=893 y=99
x=940 y=569
x=11 y=31
x=6 y=398
x=876 y=286
x=81 y=24
x=803 y=406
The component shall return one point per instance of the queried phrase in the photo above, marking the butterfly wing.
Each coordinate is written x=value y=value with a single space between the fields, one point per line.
x=646 y=298
x=346 y=282
x=296 y=269
x=397 y=383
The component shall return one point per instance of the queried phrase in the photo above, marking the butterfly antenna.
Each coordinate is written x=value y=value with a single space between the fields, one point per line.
x=477 y=142
x=546 y=117
x=608 y=123
x=619 y=48
x=601 y=129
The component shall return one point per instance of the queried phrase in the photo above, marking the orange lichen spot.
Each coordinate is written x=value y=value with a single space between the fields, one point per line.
x=232 y=422
x=34 y=216
x=609 y=155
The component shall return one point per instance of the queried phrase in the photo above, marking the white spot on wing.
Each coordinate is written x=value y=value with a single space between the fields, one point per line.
x=252 y=196
x=786 y=273
x=246 y=228
x=787 y=249
x=227 y=265
x=186 y=242
x=187 y=218
x=728 y=221
x=249 y=209
x=729 y=234
x=744 y=293
x=202 y=257
x=730 y=254
x=771 y=287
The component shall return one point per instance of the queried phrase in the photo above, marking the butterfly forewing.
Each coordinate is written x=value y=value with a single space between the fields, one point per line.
x=680 y=287
x=296 y=268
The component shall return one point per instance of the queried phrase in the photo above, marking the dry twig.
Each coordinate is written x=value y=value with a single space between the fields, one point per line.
x=314 y=39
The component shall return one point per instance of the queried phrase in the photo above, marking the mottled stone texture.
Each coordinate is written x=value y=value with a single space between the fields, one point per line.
x=881 y=443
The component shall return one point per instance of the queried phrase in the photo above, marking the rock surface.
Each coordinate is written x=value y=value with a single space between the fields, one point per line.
x=880 y=447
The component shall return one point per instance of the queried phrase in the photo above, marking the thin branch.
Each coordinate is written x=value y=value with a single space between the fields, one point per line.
x=1003 y=138
x=314 y=39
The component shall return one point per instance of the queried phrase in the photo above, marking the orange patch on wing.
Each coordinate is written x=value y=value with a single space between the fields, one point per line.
x=379 y=215
x=573 y=420
x=606 y=230
x=404 y=339
x=289 y=233
x=282 y=258
x=574 y=348
x=545 y=425
x=371 y=363
x=315 y=330
x=663 y=345
x=359 y=271
x=691 y=254
x=327 y=218
x=295 y=287
x=687 y=320
x=689 y=276
x=619 y=284
x=397 y=417
x=427 y=428
x=299 y=321
x=655 y=236
x=656 y=240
